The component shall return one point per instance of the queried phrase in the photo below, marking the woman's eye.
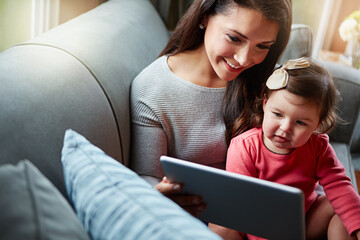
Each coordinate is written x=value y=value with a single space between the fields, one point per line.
x=264 y=46
x=233 y=38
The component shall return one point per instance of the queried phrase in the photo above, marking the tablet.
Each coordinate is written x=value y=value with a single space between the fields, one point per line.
x=251 y=205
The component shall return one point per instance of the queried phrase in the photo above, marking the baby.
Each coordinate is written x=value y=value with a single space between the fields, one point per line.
x=290 y=147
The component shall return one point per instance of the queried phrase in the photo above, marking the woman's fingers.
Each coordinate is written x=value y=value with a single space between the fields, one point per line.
x=190 y=203
x=167 y=188
x=195 y=210
x=186 y=200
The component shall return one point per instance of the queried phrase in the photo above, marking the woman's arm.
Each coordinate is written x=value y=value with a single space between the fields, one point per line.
x=148 y=144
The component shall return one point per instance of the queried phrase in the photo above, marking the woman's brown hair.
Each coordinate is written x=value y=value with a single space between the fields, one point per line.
x=238 y=103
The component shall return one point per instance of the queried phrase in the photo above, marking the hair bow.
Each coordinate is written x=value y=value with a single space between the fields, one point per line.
x=280 y=77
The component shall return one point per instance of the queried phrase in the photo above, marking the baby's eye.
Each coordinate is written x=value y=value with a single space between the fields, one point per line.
x=233 y=38
x=276 y=114
x=301 y=123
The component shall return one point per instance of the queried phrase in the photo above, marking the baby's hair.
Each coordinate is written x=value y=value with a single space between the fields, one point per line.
x=315 y=84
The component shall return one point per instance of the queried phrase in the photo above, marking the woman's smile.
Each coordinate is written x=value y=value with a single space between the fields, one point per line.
x=232 y=67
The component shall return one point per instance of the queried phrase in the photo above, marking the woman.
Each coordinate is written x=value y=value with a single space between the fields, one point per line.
x=185 y=103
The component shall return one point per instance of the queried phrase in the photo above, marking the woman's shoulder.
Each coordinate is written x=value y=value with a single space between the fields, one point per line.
x=152 y=81
x=151 y=73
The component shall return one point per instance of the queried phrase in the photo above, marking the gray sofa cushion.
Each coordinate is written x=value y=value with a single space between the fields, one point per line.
x=43 y=92
x=32 y=208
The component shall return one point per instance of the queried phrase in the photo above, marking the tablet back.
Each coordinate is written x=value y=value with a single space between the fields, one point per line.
x=258 y=207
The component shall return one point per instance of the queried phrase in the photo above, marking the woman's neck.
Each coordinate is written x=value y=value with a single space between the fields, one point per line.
x=194 y=66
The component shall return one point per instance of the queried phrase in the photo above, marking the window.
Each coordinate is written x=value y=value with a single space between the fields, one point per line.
x=44 y=16
x=324 y=18
x=312 y=16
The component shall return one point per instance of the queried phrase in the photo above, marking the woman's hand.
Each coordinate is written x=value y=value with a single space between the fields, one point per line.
x=190 y=203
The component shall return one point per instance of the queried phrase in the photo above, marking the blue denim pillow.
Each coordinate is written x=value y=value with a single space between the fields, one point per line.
x=113 y=202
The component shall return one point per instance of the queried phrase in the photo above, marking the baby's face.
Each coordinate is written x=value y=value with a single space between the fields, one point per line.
x=289 y=121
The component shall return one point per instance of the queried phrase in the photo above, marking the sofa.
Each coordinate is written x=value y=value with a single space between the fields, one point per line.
x=77 y=76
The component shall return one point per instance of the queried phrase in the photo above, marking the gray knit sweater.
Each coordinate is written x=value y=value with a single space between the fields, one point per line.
x=174 y=117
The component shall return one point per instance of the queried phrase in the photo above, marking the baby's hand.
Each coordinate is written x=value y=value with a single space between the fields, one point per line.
x=357 y=234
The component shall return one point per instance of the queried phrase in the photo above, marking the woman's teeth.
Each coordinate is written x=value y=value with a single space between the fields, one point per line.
x=233 y=66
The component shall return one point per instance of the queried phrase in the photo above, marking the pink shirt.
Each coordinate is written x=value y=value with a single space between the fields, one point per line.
x=303 y=168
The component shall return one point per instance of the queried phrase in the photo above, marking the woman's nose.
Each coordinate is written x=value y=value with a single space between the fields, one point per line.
x=244 y=56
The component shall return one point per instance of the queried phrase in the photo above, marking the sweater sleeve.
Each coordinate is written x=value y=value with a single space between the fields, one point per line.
x=148 y=144
x=148 y=138
x=338 y=187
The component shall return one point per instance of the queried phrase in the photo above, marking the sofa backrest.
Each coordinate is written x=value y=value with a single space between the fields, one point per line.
x=300 y=43
x=77 y=76
x=348 y=83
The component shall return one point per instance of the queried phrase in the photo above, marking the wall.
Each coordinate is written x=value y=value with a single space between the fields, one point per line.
x=15 y=18
x=73 y=8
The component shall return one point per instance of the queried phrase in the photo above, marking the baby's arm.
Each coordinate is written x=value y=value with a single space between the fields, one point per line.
x=338 y=187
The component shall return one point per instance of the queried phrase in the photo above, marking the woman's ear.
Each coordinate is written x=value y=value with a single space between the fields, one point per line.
x=205 y=21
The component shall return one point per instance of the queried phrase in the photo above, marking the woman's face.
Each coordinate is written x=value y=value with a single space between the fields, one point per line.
x=238 y=40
